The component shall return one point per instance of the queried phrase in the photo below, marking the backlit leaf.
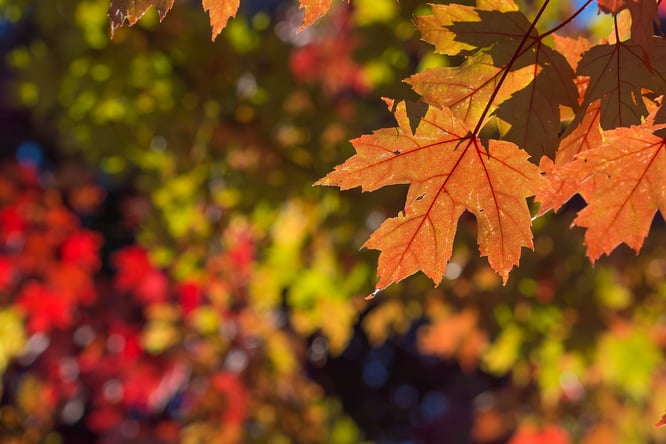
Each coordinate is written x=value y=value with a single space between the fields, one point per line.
x=129 y=12
x=313 y=10
x=561 y=186
x=435 y=28
x=449 y=171
x=538 y=78
x=618 y=73
x=643 y=18
x=220 y=11
x=621 y=206
x=466 y=89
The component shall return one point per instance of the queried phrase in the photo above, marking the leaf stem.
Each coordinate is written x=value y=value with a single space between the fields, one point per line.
x=514 y=58
x=567 y=21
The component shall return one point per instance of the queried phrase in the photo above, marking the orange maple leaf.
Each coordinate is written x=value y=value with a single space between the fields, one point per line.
x=629 y=188
x=560 y=187
x=502 y=46
x=220 y=12
x=467 y=88
x=435 y=28
x=572 y=49
x=313 y=9
x=130 y=11
x=582 y=134
x=449 y=171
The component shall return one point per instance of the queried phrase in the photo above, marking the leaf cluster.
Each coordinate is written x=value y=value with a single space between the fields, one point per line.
x=128 y=12
x=588 y=113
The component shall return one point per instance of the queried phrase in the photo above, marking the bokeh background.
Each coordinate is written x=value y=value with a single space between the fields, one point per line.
x=168 y=273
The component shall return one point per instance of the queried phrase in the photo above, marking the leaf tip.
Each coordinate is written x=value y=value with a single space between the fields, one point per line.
x=372 y=295
x=390 y=103
x=324 y=181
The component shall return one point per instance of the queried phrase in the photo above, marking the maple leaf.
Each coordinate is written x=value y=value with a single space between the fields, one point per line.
x=537 y=81
x=220 y=11
x=466 y=89
x=621 y=206
x=449 y=171
x=434 y=28
x=572 y=49
x=644 y=16
x=618 y=74
x=537 y=127
x=582 y=134
x=130 y=11
x=313 y=9
x=559 y=187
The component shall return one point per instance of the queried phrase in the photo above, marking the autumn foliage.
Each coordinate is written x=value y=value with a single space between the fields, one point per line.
x=518 y=85
x=512 y=85
x=192 y=290
x=140 y=346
